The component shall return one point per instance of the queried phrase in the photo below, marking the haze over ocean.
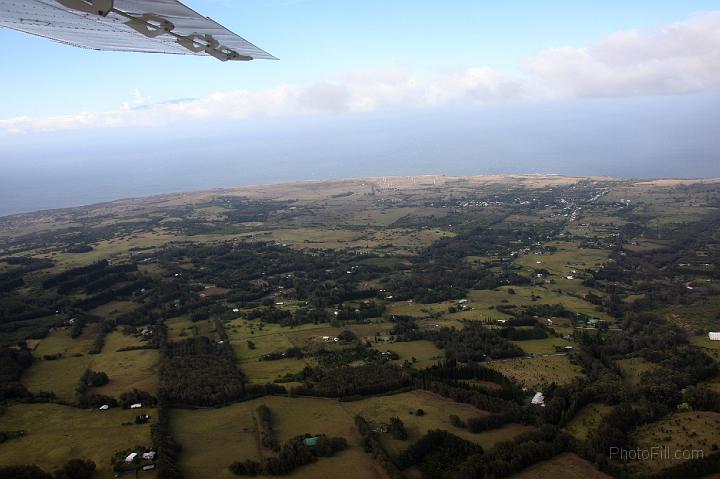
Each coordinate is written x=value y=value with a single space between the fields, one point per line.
x=630 y=138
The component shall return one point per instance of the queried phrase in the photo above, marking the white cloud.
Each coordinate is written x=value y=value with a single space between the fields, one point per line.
x=677 y=59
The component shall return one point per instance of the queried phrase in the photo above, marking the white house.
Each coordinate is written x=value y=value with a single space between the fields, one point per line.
x=714 y=336
x=136 y=406
x=104 y=407
x=131 y=457
x=149 y=456
x=538 y=399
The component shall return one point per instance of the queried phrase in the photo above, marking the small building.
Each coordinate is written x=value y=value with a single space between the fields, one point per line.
x=149 y=467
x=149 y=456
x=104 y=407
x=131 y=457
x=538 y=399
x=135 y=406
x=310 y=441
x=714 y=336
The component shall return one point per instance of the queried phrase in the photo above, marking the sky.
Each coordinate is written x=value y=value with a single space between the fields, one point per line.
x=596 y=68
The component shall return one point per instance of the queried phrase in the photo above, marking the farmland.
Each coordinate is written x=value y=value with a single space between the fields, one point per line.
x=55 y=433
x=381 y=314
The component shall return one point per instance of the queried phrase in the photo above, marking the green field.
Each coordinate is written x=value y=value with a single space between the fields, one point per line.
x=633 y=368
x=542 y=346
x=587 y=420
x=537 y=373
x=57 y=342
x=437 y=409
x=564 y=466
x=214 y=438
x=181 y=327
x=697 y=430
x=483 y=300
x=60 y=376
x=425 y=352
x=55 y=434
x=127 y=370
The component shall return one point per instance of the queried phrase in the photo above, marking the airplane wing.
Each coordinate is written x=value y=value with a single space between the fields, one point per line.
x=149 y=26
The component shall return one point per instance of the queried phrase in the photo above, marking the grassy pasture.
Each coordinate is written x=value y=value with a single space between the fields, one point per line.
x=213 y=438
x=542 y=346
x=437 y=409
x=83 y=343
x=263 y=372
x=127 y=370
x=57 y=342
x=426 y=353
x=242 y=330
x=405 y=308
x=587 y=419
x=483 y=300
x=181 y=328
x=113 y=309
x=697 y=430
x=536 y=373
x=633 y=368
x=700 y=315
x=56 y=434
x=568 y=257
x=564 y=466
x=60 y=376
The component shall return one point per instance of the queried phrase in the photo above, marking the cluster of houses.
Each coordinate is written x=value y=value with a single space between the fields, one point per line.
x=146 y=456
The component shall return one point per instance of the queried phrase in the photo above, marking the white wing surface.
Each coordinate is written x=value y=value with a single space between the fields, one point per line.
x=149 y=26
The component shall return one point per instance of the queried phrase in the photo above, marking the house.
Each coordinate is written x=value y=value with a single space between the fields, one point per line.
x=310 y=441
x=149 y=456
x=149 y=467
x=135 y=406
x=104 y=407
x=131 y=457
x=538 y=399
x=714 y=336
